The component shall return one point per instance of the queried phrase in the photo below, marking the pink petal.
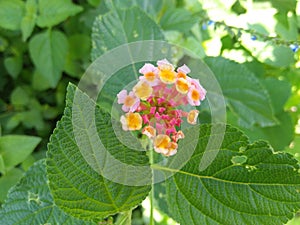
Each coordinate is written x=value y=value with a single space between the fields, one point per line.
x=147 y=68
x=164 y=62
x=121 y=96
x=184 y=69
x=135 y=105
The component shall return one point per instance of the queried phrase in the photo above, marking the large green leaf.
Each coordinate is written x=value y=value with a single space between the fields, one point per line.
x=48 y=51
x=245 y=94
x=14 y=149
x=55 y=11
x=121 y=27
x=245 y=184
x=178 y=19
x=74 y=170
x=11 y=12
x=280 y=135
x=30 y=202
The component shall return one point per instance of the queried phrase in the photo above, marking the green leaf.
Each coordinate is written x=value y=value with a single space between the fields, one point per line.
x=48 y=51
x=30 y=202
x=178 y=19
x=3 y=44
x=280 y=135
x=14 y=149
x=151 y=7
x=8 y=180
x=94 y=3
x=19 y=97
x=74 y=170
x=28 y=21
x=13 y=65
x=11 y=13
x=55 y=11
x=120 y=27
x=245 y=94
x=39 y=82
x=263 y=189
x=284 y=6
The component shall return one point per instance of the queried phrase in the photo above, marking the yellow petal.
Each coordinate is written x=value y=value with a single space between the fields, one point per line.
x=142 y=90
x=134 y=121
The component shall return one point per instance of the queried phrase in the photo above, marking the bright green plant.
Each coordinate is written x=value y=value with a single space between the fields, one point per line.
x=253 y=178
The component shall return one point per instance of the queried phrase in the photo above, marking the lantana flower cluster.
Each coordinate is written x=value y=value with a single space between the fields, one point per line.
x=152 y=105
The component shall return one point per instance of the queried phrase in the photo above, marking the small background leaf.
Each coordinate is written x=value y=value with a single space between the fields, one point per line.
x=29 y=19
x=55 y=11
x=14 y=149
x=48 y=51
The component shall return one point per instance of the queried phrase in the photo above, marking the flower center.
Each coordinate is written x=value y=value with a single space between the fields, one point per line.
x=167 y=76
x=195 y=95
x=150 y=76
x=129 y=101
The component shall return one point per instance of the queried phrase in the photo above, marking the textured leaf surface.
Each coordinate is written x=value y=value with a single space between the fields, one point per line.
x=120 y=27
x=245 y=95
x=55 y=11
x=30 y=202
x=76 y=186
x=263 y=188
x=48 y=51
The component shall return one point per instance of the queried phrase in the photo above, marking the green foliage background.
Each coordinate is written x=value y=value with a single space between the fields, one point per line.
x=44 y=45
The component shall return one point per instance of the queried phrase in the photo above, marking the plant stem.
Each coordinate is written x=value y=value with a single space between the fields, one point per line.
x=124 y=218
x=151 y=196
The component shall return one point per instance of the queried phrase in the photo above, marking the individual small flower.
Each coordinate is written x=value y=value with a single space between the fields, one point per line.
x=177 y=136
x=192 y=116
x=130 y=102
x=294 y=47
x=166 y=72
x=253 y=37
x=149 y=131
x=161 y=143
x=196 y=93
x=142 y=90
x=150 y=73
x=194 y=97
x=182 y=85
x=131 y=121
